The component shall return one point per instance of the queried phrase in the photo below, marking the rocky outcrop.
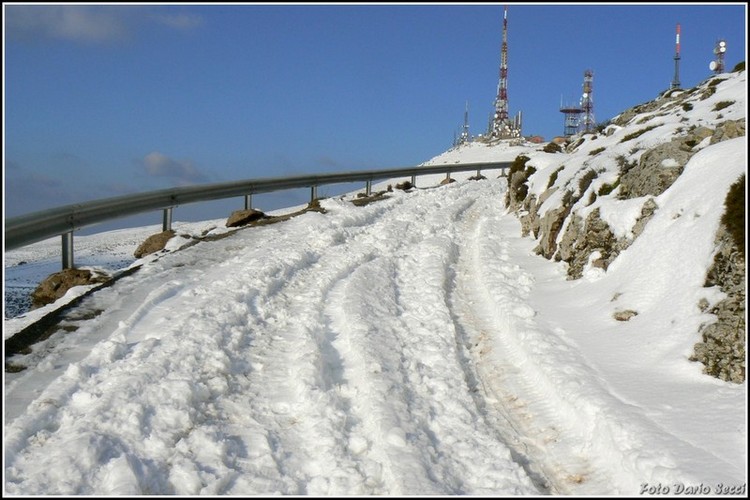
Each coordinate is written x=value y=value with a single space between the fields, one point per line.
x=243 y=217
x=657 y=169
x=56 y=285
x=590 y=241
x=153 y=243
x=518 y=188
x=581 y=240
x=549 y=227
x=722 y=349
x=647 y=211
x=728 y=130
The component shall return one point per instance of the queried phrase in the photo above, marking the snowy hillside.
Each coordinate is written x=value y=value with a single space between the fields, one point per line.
x=426 y=344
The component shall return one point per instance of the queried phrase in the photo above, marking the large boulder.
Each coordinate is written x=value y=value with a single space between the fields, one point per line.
x=240 y=218
x=56 y=285
x=153 y=243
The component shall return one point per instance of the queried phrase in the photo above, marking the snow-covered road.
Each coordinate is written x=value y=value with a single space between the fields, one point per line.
x=388 y=349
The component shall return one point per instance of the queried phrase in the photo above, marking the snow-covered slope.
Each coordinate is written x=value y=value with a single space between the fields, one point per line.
x=416 y=345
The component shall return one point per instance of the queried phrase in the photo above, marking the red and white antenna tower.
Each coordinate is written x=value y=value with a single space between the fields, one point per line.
x=676 y=79
x=501 y=125
x=587 y=102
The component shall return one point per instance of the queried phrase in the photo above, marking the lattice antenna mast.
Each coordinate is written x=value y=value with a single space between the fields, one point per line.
x=676 y=79
x=465 y=137
x=587 y=102
x=501 y=124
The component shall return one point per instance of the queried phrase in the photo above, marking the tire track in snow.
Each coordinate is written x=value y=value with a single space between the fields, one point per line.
x=525 y=416
x=324 y=401
x=411 y=404
x=294 y=396
x=203 y=344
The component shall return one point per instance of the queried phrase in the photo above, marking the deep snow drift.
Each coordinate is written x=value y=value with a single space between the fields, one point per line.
x=412 y=346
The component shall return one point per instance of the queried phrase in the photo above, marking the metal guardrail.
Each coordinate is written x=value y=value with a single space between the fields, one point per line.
x=37 y=226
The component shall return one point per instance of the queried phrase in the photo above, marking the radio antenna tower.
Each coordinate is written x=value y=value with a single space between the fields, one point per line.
x=587 y=102
x=717 y=66
x=465 y=137
x=501 y=126
x=676 y=79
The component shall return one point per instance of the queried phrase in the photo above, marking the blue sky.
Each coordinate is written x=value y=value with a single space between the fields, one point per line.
x=106 y=100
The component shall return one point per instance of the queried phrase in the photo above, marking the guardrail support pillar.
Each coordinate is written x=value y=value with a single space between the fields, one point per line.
x=502 y=172
x=414 y=180
x=447 y=176
x=368 y=188
x=67 y=250
x=479 y=174
x=167 y=220
x=248 y=201
x=313 y=193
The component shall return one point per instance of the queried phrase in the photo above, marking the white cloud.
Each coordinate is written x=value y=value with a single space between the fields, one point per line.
x=184 y=172
x=180 y=21
x=89 y=24
x=68 y=22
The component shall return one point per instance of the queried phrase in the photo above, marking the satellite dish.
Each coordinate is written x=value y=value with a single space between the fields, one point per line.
x=585 y=95
x=722 y=43
x=712 y=66
x=722 y=49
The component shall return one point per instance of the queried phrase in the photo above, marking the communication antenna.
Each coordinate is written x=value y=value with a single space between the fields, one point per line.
x=465 y=137
x=720 y=49
x=676 y=79
x=502 y=127
x=587 y=102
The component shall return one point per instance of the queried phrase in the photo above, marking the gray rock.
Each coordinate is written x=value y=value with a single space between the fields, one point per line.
x=728 y=130
x=549 y=228
x=647 y=212
x=581 y=240
x=624 y=315
x=153 y=243
x=240 y=218
x=722 y=348
x=56 y=285
x=651 y=176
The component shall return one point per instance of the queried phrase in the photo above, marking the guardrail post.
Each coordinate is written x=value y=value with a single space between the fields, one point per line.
x=167 y=220
x=368 y=188
x=248 y=201
x=67 y=250
x=479 y=174
x=313 y=193
x=502 y=172
x=414 y=180
x=447 y=176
